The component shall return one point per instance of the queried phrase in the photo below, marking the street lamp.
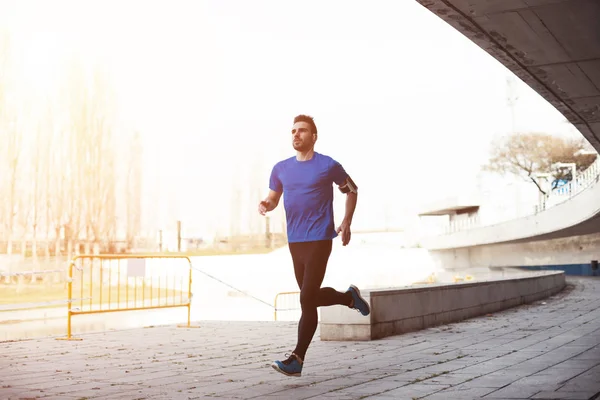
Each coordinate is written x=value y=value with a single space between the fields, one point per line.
x=542 y=192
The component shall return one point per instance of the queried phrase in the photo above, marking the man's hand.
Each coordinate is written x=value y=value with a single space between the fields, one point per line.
x=269 y=203
x=263 y=207
x=344 y=231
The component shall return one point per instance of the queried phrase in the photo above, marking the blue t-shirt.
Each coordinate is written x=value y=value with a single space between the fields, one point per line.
x=307 y=188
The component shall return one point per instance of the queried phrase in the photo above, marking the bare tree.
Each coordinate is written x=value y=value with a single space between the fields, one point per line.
x=10 y=149
x=530 y=154
x=47 y=173
x=100 y=162
x=90 y=209
x=39 y=164
x=12 y=145
x=58 y=174
x=58 y=169
x=70 y=214
x=15 y=113
x=133 y=189
x=24 y=187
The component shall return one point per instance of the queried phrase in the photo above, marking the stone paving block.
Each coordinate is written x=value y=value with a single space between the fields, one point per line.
x=94 y=387
x=574 y=363
x=462 y=392
x=547 y=381
x=526 y=368
x=591 y=354
x=27 y=379
x=141 y=377
x=373 y=387
x=591 y=376
x=493 y=380
x=215 y=388
x=341 y=382
x=416 y=390
x=451 y=378
x=450 y=366
x=519 y=391
x=589 y=384
x=588 y=340
x=22 y=394
x=8 y=392
x=559 y=377
x=297 y=394
x=563 y=395
x=252 y=391
x=53 y=386
x=340 y=395
x=97 y=391
x=482 y=368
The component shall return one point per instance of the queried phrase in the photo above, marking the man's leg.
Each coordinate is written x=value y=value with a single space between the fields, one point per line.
x=310 y=263
x=300 y=254
x=350 y=298
x=310 y=277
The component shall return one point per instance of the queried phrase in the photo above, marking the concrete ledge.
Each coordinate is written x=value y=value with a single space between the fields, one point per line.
x=397 y=311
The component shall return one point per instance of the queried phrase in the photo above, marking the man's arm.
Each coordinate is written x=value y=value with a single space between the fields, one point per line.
x=272 y=200
x=275 y=191
x=351 y=199
x=270 y=203
x=351 y=191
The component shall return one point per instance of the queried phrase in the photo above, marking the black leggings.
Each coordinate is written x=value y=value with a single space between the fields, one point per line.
x=310 y=262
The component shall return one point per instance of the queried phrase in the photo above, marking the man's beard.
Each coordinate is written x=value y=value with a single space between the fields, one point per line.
x=301 y=146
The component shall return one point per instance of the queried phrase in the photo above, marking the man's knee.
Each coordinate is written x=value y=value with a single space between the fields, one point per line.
x=308 y=299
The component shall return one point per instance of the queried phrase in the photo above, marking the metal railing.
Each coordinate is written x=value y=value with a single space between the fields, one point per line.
x=110 y=283
x=291 y=301
x=463 y=224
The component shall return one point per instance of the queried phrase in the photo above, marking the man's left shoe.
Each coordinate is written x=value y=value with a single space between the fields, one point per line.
x=290 y=367
x=360 y=304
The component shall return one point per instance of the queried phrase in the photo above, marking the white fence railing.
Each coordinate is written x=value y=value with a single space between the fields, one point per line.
x=581 y=182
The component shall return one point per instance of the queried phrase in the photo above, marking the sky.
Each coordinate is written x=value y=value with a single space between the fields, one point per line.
x=406 y=103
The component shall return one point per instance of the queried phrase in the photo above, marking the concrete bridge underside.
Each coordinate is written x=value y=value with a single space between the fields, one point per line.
x=552 y=45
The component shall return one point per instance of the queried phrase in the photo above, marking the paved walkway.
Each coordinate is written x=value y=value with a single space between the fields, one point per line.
x=547 y=350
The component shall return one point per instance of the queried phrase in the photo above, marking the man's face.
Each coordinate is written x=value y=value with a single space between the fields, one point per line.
x=302 y=137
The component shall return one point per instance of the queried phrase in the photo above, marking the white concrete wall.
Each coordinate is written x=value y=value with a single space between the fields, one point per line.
x=562 y=251
x=397 y=311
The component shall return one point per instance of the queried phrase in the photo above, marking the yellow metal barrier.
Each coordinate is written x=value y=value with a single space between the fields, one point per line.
x=111 y=283
x=295 y=300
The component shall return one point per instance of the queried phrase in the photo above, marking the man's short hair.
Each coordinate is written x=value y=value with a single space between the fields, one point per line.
x=308 y=119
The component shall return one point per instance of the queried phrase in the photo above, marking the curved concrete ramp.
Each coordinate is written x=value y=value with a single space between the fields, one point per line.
x=578 y=216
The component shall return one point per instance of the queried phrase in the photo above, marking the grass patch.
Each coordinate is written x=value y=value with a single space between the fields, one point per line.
x=40 y=293
x=31 y=293
x=222 y=252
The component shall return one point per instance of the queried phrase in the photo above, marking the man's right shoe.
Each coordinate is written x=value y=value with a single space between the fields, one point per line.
x=290 y=367
x=360 y=304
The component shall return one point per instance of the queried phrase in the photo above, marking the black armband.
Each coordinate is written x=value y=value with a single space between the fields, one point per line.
x=349 y=186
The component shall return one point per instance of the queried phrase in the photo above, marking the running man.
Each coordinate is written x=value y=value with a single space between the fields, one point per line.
x=306 y=181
